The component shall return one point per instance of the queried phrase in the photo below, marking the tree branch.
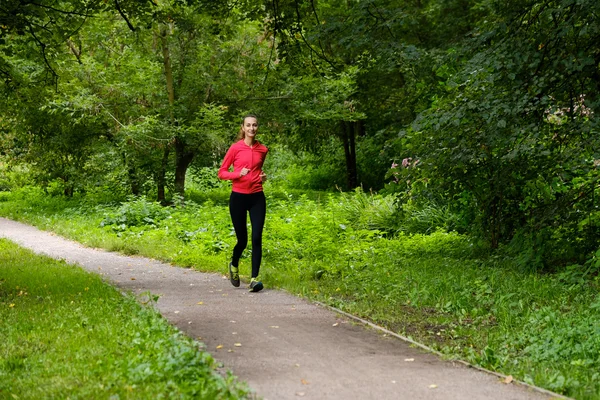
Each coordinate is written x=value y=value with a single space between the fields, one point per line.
x=74 y=50
x=118 y=6
x=60 y=11
x=270 y=58
x=322 y=56
x=43 y=47
x=312 y=4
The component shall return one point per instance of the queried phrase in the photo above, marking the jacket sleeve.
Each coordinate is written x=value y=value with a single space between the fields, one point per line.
x=224 y=173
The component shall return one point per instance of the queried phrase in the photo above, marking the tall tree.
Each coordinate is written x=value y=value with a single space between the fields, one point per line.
x=515 y=131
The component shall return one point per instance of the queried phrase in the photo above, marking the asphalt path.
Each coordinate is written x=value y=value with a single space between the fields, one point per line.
x=283 y=346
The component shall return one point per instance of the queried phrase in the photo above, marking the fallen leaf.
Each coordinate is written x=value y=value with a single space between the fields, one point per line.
x=304 y=382
x=237 y=344
x=200 y=302
x=432 y=386
x=336 y=324
x=409 y=359
x=176 y=312
x=12 y=305
x=274 y=327
x=133 y=279
x=300 y=394
x=508 y=379
x=219 y=346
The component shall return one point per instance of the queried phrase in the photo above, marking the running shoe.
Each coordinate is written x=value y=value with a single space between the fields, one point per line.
x=255 y=285
x=234 y=275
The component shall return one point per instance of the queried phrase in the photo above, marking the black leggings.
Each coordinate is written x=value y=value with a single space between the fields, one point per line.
x=239 y=205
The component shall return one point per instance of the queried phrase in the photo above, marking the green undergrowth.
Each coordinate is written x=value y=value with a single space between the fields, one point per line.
x=67 y=334
x=438 y=288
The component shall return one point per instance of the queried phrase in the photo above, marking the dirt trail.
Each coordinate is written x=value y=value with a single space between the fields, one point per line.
x=283 y=346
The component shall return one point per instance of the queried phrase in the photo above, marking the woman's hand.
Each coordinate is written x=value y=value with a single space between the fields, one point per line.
x=263 y=177
x=244 y=171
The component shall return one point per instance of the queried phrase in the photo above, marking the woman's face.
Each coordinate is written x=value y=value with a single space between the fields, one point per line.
x=250 y=126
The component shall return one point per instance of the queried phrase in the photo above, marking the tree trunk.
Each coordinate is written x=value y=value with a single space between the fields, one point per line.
x=168 y=69
x=183 y=160
x=171 y=95
x=348 y=133
x=133 y=181
x=68 y=189
x=161 y=178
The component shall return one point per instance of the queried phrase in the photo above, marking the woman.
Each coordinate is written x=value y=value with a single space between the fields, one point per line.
x=246 y=156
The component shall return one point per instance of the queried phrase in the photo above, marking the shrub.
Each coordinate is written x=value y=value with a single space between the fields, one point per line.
x=135 y=212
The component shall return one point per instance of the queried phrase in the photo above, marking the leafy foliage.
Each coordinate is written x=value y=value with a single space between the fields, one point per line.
x=135 y=212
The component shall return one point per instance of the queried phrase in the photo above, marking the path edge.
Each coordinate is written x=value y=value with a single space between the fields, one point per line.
x=442 y=355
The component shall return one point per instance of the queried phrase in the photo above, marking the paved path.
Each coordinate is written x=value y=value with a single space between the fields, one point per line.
x=283 y=346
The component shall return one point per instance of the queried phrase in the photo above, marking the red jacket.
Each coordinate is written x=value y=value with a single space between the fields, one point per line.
x=240 y=155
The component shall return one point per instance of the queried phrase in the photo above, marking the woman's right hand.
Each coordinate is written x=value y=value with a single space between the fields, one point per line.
x=244 y=171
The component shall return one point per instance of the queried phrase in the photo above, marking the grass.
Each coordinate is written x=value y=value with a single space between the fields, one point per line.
x=436 y=288
x=67 y=334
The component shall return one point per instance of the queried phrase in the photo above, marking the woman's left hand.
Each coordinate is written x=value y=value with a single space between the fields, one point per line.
x=263 y=177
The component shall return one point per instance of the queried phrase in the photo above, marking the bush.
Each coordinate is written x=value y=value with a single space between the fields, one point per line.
x=135 y=212
x=370 y=211
x=12 y=178
x=304 y=170
x=427 y=218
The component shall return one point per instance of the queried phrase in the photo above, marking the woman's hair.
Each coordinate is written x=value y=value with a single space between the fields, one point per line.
x=241 y=133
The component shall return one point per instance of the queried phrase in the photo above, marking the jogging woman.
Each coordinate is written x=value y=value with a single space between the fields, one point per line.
x=246 y=156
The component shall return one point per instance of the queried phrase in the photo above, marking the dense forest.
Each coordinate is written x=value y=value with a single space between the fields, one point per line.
x=478 y=113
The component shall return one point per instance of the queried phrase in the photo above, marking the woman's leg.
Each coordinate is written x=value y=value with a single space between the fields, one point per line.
x=237 y=210
x=258 y=212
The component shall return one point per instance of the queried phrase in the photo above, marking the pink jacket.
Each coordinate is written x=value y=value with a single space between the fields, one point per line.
x=240 y=155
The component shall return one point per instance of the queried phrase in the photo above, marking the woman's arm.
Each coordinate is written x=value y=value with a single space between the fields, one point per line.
x=224 y=172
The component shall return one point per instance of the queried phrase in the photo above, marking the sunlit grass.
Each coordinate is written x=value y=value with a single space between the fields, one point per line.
x=67 y=334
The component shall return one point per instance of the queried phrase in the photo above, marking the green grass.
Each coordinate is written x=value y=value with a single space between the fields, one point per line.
x=67 y=334
x=436 y=288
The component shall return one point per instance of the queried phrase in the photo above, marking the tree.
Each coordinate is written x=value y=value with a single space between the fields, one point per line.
x=389 y=45
x=162 y=94
x=47 y=24
x=515 y=133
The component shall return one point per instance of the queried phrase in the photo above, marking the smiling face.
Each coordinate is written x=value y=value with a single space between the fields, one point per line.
x=250 y=127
